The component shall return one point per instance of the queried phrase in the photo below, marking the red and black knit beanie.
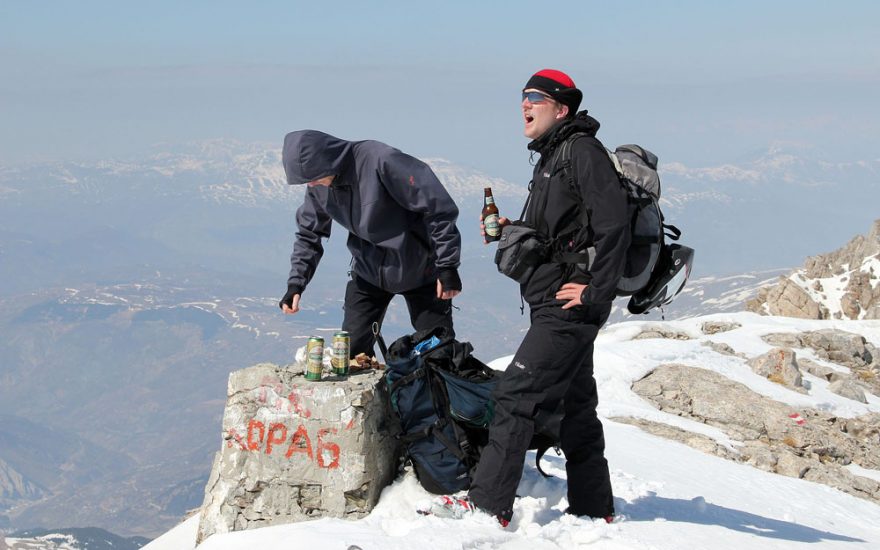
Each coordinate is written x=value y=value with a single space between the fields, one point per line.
x=557 y=85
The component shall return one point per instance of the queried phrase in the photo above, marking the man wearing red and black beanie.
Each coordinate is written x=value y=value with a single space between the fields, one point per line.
x=578 y=204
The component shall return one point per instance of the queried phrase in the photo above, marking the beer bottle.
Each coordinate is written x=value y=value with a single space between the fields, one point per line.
x=490 y=216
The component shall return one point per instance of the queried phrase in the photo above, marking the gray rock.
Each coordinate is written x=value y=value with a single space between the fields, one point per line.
x=845 y=348
x=784 y=339
x=722 y=348
x=822 y=371
x=779 y=365
x=865 y=429
x=789 y=300
x=848 y=389
x=791 y=465
x=295 y=450
x=843 y=479
x=714 y=327
x=661 y=332
x=759 y=455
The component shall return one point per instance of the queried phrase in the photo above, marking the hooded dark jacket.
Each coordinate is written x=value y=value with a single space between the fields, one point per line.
x=554 y=209
x=400 y=219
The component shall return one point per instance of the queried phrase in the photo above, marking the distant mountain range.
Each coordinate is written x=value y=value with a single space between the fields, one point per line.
x=87 y=538
x=761 y=213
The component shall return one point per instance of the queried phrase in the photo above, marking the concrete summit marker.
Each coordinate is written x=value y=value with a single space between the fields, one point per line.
x=295 y=450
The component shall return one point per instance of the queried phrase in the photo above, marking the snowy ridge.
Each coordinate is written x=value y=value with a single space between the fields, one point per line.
x=88 y=538
x=226 y=172
x=680 y=498
x=777 y=164
x=464 y=182
x=844 y=283
x=830 y=291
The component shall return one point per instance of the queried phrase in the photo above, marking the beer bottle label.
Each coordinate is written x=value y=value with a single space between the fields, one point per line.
x=492 y=227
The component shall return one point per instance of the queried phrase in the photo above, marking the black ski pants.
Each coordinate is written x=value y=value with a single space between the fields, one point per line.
x=554 y=362
x=366 y=303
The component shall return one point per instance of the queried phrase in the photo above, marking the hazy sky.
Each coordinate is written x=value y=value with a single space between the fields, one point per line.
x=697 y=82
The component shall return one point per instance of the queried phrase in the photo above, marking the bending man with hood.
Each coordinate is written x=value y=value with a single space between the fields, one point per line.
x=401 y=231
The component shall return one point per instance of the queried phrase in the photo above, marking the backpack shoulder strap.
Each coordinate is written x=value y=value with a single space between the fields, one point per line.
x=566 y=165
x=583 y=219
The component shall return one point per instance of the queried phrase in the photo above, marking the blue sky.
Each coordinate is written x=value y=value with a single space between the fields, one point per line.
x=698 y=82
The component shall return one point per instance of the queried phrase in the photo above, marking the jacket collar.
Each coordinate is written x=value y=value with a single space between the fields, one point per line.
x=581 y=123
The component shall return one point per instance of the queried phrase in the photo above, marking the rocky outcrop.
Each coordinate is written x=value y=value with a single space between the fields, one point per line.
x=775 y=437
x=851 y=270
x=14 y=486
x=859 y=359
x=295 y=450
x=787 y=299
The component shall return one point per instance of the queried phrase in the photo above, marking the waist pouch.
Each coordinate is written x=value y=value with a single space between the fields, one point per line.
x=520 y=250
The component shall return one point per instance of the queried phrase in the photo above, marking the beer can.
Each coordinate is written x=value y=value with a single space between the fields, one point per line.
x=314 y=358
x=341 y=353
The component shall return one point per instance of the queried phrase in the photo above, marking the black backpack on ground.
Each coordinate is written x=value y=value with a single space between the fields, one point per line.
x=440 y=398
x=441 y=406
x=655 y=271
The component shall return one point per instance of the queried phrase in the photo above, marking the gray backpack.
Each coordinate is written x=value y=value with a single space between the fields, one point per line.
x=652 y=265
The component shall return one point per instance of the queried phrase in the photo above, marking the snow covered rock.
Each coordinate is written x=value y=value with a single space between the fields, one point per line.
x=845 y=348
x=849 y=389
x=860 y=358
x=296 y=450
x=844 y=284
x=773 y=436
x=714 y=327
x=659 y=331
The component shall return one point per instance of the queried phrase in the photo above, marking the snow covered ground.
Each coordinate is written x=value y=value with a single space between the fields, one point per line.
x=669 y=496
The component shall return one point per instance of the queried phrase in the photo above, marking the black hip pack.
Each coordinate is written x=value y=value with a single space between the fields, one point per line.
x=520 y=250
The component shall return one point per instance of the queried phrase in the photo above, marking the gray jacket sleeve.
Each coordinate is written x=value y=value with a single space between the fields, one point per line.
x=415 y=187
x=313 y=224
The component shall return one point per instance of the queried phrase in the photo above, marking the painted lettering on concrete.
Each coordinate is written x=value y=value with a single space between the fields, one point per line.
x=259 y=439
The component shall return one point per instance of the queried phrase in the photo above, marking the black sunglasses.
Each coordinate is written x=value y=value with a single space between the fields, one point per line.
x=535 y=97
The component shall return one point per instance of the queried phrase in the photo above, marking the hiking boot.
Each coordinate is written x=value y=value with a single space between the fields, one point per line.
x=449 y=506
x=608 y=519
x=455 y=507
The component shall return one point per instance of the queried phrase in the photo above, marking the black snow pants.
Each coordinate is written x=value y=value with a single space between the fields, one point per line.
x=366 y=303
x=554 y=362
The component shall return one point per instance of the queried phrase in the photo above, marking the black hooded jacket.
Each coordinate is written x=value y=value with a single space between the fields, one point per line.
x=554 y=210
x=400 y=219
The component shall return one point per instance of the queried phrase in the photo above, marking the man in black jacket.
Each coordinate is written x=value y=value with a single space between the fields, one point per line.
x=401 y=230
x=575 y=207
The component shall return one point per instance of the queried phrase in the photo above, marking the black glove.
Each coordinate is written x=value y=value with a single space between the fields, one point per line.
x=449 y=279
x=288 y=298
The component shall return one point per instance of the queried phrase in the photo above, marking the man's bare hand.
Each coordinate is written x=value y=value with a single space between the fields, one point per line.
x=446 y=294
x=571 y=292
x=502 y=221
x=293 y=307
